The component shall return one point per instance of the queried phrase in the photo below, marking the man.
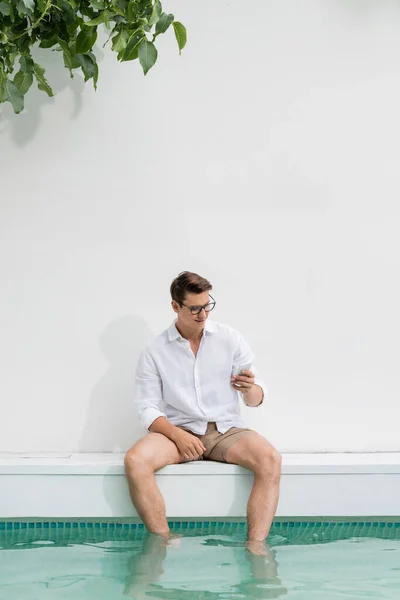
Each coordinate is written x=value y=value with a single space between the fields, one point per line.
x=188 y=400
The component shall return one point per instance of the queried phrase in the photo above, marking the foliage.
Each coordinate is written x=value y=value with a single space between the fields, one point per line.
x=70 y=26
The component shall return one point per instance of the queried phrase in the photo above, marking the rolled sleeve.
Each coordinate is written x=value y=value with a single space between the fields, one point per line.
x=148 y=396
x=262 y=385
x=244 y=355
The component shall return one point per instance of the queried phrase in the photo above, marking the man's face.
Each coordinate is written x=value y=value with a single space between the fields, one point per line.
x=185 y=316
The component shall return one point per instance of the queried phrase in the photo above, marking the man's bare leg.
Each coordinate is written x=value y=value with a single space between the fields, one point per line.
x=255 y=453
x=148 y=455
x=262 y=504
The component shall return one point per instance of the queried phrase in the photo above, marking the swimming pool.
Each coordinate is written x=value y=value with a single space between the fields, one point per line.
x=108 y=559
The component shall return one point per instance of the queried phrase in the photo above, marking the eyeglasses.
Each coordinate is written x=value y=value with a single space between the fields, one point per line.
x=196 y=310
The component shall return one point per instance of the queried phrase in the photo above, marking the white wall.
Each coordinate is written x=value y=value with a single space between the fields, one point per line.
x=265 y=158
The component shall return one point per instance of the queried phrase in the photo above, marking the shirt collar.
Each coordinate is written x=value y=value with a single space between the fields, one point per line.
x=173 y=333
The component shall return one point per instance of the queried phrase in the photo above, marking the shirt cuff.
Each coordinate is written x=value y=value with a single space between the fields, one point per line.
x=149 y=415
x=262 y=385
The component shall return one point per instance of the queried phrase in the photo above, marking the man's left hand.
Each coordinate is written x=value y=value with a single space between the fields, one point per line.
x=244 y=382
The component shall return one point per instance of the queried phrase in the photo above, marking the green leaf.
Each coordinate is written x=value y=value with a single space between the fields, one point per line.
x=21 y=9
x=12 y=12
x=87 y=64
x=147 y=55
x=2 y=84
x=69 y=56
x=49 y=42
x=42 y=83
x=96 y=70
x=121 y=5
x=132 y=56
x=132 y=10
x=9 y=59
x=96 y=75
x=85 y=39
x=23 y=80
x=4 y=8
x=26 y=63
x=70 y=27
x=156 y=12
x=68 y=7
x=118 y=19
x=102 y=17
x=131 y=50
x=29 y=5
x=12 y=94
x=180 y=34
x=119 y=41
x=163 y=23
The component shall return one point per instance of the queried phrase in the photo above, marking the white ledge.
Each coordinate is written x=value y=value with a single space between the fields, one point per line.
x=96 y=463
x=93 y=485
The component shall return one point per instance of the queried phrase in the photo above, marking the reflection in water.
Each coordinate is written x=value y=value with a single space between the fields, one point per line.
x=155 y=571
x=264 y=582
x=208 y=561
x=146 y=567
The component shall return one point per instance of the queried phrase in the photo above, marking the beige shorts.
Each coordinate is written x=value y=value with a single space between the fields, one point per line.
x=217 y=444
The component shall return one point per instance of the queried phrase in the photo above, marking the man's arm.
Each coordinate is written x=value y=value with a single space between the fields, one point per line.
x=249 y=384
x=148 y=398
x=254 y=395
x=148 y=390
x=162 y=425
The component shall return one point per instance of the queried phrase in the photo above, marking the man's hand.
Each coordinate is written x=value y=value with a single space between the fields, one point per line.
x=245 y=381
x=253 y=395
x=189 y=446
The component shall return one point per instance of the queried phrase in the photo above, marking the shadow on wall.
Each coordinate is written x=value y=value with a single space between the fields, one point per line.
x=23 y=127
x=111 y=423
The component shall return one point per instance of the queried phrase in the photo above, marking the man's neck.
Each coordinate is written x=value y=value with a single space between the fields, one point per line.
x=189 y=334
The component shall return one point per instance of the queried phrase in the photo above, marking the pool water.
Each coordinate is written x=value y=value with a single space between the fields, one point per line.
x=85 y=560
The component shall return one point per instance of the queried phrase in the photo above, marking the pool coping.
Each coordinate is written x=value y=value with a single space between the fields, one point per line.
x=93 y=485
x=98 y=463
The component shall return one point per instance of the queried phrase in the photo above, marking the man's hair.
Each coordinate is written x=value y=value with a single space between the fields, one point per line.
x=188 y=282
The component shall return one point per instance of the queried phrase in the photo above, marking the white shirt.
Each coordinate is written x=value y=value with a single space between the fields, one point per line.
x=192 y=391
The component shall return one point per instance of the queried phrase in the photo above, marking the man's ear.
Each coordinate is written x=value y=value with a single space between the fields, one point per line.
x=175 y=306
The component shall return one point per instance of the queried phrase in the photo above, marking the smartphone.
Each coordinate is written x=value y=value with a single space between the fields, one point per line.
x=243 y=367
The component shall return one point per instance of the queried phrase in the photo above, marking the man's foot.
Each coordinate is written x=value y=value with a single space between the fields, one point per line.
x=258 y=547
x=262 y=559
x=167 y=538
x=174 y=540
x=164 y=535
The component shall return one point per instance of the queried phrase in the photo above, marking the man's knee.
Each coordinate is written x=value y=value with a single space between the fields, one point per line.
x=269 y=463
x=135 y=463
